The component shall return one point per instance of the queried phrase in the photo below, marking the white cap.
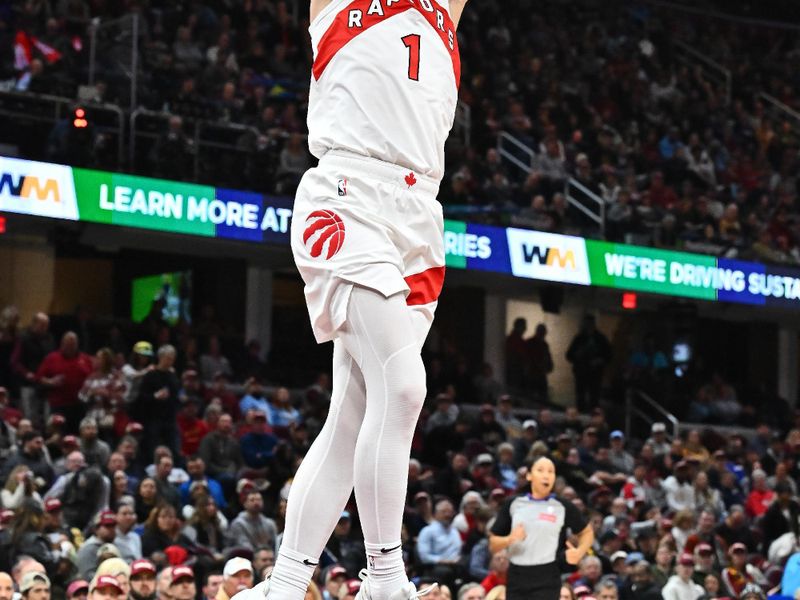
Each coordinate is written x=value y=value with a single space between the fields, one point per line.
x=619 y=554
x=530 y=423
x=235 y=565
x=658 y=428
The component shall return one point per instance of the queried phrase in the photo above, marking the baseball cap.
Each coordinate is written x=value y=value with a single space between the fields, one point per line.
x=107 y=517
x=6 y=516
x=703 y=549
x=619 y=554
x=530 y=423
x=235 y=565
x=134 y=427
x=421 y=496
x=484 y=459
x=353 y=585
x=582 y=590
x=57 y=419
x=33 y=578
x=487 y=408
x=143 y=348
x=345 y=515
x=142 y=566
x=658 y=428
x=76 y=586
x=52 y=505
x=244 y=484
x=686 y=559
x=504 y=398
x=105 y=581
x=616 y=435
x=108 y=549
x=69 y=440
x=335 y=571
x=180 y=573
x=633 y=558
x=497 y=493
x=737 y=547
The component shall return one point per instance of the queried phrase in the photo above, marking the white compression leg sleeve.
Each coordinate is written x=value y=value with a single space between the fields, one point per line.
x=323 y=483
x=383 y=338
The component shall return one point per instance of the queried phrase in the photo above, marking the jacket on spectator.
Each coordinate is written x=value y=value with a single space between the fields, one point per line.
x=678 y=589
x=221 y=454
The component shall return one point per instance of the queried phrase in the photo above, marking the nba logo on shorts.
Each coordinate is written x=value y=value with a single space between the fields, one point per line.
x=324 y=229
x=343 y=187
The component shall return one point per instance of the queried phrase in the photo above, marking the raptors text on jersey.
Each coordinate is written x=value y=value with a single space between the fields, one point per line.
x=385 y=81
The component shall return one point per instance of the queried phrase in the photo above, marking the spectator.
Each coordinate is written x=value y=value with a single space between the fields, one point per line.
x=516 y=354
x=95 y=451
x=127 y=541
x=165 y=489
x=213 y=361
x=738 y=574
x=221 y=454
x=760 y=497
x=237 y=576
x=251 y=528
x=35 y=344
x=32 y=455
x=143 y=580
x=540 y=363
x=103 y=391
x=258 y=445
x=619 y=459
x=104 y=533
x=281 y=413
x=254 y=397
x=782 y=516
x=206 y=527
x=136 y=368
x=182 y=585
x=62 y=373
x=157 y=405
x=439 y=544
x=589 y=353
x=213 y=583
x=146 y=498
x=27 y=537
x=78 y=590
x=345 y=550
x=35 y=586
x=196 y=469
x=678 y=487
x=118 y=569
x=20 y=488
x=640 y=585
x=680 y=586
x=83 y=491
x=161 y=530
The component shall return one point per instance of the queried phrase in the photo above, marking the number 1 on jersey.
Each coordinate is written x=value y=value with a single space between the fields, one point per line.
x=412 y=42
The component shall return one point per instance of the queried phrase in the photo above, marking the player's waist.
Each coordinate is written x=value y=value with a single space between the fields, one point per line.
x=381 y=170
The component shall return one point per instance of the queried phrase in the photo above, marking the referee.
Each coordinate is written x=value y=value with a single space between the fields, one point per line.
x=534 y=527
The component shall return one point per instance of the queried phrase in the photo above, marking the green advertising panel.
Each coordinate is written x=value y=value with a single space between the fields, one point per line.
x=452 y=229
x=652 y=270
x=119 y=199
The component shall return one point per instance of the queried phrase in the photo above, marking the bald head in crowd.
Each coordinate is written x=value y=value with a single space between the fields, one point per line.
x=6 y=586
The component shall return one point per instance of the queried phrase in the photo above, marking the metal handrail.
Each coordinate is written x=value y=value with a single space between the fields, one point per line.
x=59 y=102
x=504 y=136
x=600 y=216
x=464 y=119
x=711 y=64
x=631 y=409
x=780 y=106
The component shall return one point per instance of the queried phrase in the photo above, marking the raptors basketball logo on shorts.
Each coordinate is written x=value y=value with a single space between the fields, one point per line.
x=323 y=227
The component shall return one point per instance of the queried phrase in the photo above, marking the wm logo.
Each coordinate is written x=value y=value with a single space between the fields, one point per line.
x=29 y=187
x=550 y=257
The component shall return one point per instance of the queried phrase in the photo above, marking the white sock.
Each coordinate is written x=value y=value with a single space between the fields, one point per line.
x=290 y=577
x=387 y=572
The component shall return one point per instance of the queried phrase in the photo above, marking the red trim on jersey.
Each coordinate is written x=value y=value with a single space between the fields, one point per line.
x=339 y=34
x=425 y=286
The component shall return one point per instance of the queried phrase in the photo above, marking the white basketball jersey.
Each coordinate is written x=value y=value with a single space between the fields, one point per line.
x=385 y=81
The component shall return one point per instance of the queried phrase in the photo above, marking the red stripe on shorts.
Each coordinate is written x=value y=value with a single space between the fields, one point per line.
x=425 y=286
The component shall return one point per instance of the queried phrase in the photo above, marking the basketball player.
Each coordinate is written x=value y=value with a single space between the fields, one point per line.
x=367 y=238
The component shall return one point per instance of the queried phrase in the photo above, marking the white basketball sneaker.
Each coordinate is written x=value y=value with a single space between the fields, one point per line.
x=407 y=592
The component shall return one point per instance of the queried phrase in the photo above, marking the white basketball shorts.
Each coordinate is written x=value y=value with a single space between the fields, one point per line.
x=362 y=221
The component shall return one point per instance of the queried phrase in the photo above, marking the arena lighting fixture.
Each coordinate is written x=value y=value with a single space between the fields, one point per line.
x=629 y=301
x=80 y=122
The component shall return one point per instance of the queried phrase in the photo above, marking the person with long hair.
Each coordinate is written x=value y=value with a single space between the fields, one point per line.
x=27 y=535
x=162 y=529
x=566 y=592
x=205 y=528
x=533 y=527
x=19 y=488
x=104 y=390
x=146 y=498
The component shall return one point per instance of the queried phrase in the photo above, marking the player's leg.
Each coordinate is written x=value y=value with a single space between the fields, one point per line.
x=323 y=483
x=381 y=335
